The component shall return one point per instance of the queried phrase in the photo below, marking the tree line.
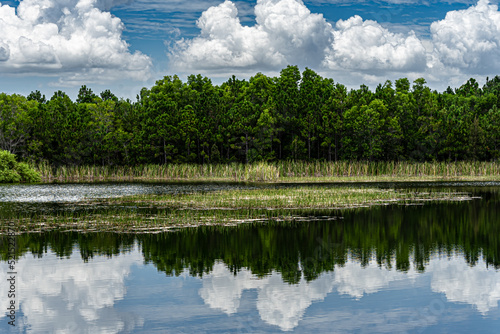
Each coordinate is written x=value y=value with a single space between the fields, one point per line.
x=300 y=116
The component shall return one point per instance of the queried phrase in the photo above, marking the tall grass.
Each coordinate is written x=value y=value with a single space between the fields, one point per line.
x=230 y=172
x=403 y=169
x=274 y=172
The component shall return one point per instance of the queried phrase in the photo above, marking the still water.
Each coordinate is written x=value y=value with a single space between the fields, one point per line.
x=420 y=269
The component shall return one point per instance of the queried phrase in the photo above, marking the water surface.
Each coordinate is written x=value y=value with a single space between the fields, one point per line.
x=419 y=269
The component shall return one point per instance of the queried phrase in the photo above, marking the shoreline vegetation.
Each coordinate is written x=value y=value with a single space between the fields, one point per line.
x=278 y=172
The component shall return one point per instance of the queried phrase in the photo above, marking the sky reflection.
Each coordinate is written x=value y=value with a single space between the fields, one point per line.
x=122 y=294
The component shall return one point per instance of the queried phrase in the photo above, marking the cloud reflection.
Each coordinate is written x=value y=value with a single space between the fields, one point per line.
x=70 y=296
x=478 y=286
x=283 y=305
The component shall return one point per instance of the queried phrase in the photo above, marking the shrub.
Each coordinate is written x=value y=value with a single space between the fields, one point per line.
x=13 y=171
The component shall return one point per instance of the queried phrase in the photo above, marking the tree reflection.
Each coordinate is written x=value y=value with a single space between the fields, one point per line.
x=392 y=235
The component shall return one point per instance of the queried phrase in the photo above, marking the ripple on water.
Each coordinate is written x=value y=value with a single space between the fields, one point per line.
x=57 y=193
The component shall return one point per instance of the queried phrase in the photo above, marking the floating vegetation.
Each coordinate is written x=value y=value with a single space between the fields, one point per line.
x=164 y=212
x=145 y=222
x=305 y=197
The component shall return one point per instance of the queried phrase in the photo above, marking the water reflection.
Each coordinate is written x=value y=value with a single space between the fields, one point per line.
x=70 y=295
x=432 y=268
x=284 y=305
x=278 y=303
x=477 y=286
x=119 y=293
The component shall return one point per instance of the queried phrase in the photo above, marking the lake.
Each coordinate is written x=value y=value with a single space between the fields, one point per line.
x=424 y=268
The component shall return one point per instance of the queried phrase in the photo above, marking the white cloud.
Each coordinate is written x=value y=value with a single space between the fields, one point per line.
x=74 y=39
x=357 y=281
x=284 y=305
x=464 y=44
x=366 y=46
x=279 y=303
x=4 y=52
x=298 y=34
x=222 y=290
x=469 y=40
x=285 y=32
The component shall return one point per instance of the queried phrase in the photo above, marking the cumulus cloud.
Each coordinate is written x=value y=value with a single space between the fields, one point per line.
x=297 y=33
x=367 y=46
x=469 y=39
x=464 y=43
x=285 y=32
x=222 y=290
x=357 y=281
x=284 y=305
x=77 y=39
x=4 y=52
x=279 y=303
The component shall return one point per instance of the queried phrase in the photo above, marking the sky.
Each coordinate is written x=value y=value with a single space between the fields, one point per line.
x=124 y=45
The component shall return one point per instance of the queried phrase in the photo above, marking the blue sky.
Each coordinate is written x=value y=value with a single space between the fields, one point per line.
x=124 y=45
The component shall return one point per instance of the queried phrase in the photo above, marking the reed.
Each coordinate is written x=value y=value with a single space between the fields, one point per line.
x=295 y=170
x=281 y=171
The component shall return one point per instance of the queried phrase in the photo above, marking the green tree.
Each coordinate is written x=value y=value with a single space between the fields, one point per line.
x=454 y=133
x=491 y=125
x=313 y=95
x=370 y=131
x=265 y=134
x=85 y=95
x=15 y=123
x=286 y=97
x=242 y=129
x=188 y=131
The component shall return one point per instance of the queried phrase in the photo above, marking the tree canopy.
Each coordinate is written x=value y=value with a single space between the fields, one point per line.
x=293 y=116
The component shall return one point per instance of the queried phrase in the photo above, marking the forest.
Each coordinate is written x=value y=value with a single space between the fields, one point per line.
x=296 y=116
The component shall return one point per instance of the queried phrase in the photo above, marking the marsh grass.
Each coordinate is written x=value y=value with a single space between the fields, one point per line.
x=309 y=197
x=391 y=169
x=283 y=171
x=261 y=172
x=156 y=213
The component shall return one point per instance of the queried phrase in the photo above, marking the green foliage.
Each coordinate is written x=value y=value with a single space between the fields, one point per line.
x=12 y=171
x=299 y=116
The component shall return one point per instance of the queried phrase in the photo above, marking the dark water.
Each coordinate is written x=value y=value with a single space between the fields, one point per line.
x=432 y=268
